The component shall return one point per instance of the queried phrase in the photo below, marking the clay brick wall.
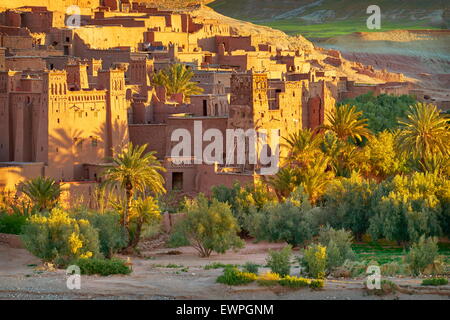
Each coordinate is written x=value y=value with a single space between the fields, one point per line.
x=154 y=135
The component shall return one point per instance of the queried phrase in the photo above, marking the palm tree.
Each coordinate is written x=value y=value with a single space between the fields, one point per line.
x=346 y=122
x=284 y=182
x=44 y=192
x=303 y=147
x=134 y=172
x=145 y=211
x=424 y=133
x=315 y=178
x=177 y=79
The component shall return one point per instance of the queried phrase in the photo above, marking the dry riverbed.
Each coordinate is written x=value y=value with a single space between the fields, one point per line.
x=22 y=277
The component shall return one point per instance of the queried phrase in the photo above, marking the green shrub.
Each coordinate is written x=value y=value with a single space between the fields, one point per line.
x=243 y=200
x=210 y=226
x=317 y=283
x=349 y=203
x=422 y=254
x=289 y=221
x=350 y=269
x=394 y=268
x=58 y=238
x=251 y=267
x=102 y=267
x=339 y=246
x=280 y=261
x=382 y=111
x=112 y=235
x=12 y=223
x=386 y=287
x=435 y=282
x=219 y=265
x=409 y=209
x=234 y=277
x=177 y=237
x=315 y=261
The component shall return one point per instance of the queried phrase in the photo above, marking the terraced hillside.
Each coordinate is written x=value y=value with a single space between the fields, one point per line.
x=326 y=18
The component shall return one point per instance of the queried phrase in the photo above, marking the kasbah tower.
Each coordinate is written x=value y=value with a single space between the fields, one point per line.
x=72 y=98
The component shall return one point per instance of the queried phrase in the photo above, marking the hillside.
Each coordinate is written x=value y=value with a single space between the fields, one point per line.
x=336 y=17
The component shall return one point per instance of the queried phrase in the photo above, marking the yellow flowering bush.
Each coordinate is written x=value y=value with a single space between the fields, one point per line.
x=295 y=282
x=315 y=261
x=58 y=238
x=268 y=279
x=232 y=276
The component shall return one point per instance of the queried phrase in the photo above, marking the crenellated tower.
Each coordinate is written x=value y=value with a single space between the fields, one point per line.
x=113 y=81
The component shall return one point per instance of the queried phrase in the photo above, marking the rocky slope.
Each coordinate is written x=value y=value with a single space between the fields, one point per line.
x=423 y=55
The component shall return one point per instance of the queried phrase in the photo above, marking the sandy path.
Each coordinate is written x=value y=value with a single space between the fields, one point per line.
x=150 y=280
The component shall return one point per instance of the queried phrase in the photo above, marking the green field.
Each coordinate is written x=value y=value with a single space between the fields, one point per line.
x=309 y=17
x=385 y=253
x=336 y=28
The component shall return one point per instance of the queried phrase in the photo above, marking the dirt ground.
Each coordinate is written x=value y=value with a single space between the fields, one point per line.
x=21 y=277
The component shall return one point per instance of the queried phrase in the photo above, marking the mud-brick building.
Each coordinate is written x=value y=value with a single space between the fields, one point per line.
x=53 y=124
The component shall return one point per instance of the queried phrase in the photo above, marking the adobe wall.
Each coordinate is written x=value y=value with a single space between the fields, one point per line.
x=154 y=135
x=52 y=5
x=208 y=178
x=106 y=37
x=12 y=174
x=78 y=193
x=2 y=59
x=19 y=63
x=16 y=42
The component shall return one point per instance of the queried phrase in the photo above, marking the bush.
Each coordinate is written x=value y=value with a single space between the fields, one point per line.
x=177 y=237
x=294 y=282
x=219 y=265
x=315 y=261
x=58 y=238
x=242 y=200
x=234 y=277
x=386 y=287
x=269 y=279
x=210 y=226
x=349 y=204
x=394 y=268
x=280 y=261
x=12 y=223
x=422 y=254
x=251 y=267
x=382 y=111
x=290 y=221
x=102 y=267
x=435 y=282
x=339 y=246
x=317 y=283
x=351 y=269
x=112 y=235
x=409 y=209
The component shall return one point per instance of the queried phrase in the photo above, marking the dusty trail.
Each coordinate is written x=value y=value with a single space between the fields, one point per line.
x=152 y=280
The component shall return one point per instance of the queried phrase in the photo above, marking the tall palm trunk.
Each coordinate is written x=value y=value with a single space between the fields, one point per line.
x=126 y=213
x=133 y=241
